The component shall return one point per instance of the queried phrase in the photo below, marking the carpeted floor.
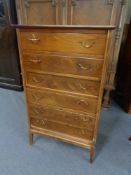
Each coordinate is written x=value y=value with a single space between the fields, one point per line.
x=50 y=157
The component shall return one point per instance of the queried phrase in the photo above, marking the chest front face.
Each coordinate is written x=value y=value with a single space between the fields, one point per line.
x=63 y=73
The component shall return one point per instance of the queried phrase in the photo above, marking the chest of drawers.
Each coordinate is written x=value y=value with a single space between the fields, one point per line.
x=64 y=74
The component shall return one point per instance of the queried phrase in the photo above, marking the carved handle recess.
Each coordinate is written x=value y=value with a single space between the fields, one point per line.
x=87 y=44
x=83 y=118
x=36 y=80
x=38 y=60
x=34 y=38
x=82 y=87
x=40 y=122
x=88 y=67
x=80 y=102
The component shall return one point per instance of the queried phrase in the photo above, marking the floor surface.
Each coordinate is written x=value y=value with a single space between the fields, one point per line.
x=50 y=157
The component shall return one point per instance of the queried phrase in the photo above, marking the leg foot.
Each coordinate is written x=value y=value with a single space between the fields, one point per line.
x=92 y=151
x=106 y=99
x=30 y=138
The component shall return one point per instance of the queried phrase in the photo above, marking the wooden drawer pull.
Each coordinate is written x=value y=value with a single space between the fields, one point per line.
x=36 y=80
x=82 y=102
x=83 y=118
x=89 y=67
x=36 y=112
x=35 y=60
x=81 y=87
x=87 y=44
x=41 y=122
x=34 y=38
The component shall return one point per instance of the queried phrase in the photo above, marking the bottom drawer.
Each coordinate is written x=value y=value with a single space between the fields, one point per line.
x=62 y=128
x=58 y=115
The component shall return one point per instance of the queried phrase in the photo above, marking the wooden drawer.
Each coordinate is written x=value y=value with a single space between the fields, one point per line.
x=63 y=83
x=72 y=118
x=62 y=128
x=63 y=100
x=39 y=40
x=64 y=64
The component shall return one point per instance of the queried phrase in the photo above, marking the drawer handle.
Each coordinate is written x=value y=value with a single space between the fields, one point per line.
x=43 y=122
x=80 y=102
x=36 y=112
x=40 y=122
x=35 y=60
x=36 y=80
x=85 y=119
x=82 y=87
x=34 y=38
x=36 y=97
x=89 y=67
x=87 y=44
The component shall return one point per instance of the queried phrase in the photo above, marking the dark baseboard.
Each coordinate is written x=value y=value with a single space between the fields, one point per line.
x=11 y=86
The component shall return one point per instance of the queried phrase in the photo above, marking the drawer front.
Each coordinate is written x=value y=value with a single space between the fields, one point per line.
x=64 y=64
x=64 y=42
x=48 y=98
x=62 y=128
x=63 y=83
x=62 y=116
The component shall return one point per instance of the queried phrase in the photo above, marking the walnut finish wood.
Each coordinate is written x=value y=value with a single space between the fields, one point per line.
x=82 y=66
x=64 y=85
x=63 y=100
x=79 y=13
x=35 y=12
x=60 y=115
x=69 y=84
x=63 y=42
x=90 y=12
x=83 y=133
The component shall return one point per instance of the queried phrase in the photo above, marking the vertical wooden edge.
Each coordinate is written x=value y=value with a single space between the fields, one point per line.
x=30 y=138
x=116 y=48
x=117 y=43
x=71 y=13
x=23 y=78
x=106 y=58
x=114 y=14
x=111 y=55
x=92 y=152
x=19 y=10
x=57 y=5
x=68 y=12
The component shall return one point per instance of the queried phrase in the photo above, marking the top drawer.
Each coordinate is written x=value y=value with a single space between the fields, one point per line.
x=39 y=40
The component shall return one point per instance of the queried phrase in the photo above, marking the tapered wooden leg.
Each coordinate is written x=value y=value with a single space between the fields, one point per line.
x=92 y=151
x=30 y=138
x=106 y=99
